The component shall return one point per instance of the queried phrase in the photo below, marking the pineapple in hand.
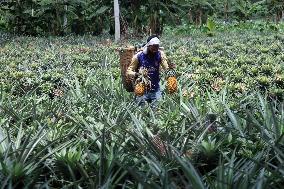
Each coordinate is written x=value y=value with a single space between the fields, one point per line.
x=171 y=81
x=142 y=83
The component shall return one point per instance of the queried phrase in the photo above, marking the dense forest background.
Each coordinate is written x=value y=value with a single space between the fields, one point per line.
x=60 y=17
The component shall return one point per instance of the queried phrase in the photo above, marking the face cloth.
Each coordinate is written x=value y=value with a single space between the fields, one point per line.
x=153 y=41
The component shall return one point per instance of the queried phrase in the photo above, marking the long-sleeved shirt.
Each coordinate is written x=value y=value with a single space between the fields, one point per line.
x=133 y=67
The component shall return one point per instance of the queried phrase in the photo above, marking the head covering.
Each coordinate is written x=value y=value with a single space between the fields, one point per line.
x=151 y=37
x=152 y=40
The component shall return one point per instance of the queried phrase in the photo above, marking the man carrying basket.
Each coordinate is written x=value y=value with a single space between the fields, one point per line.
x=145 y=67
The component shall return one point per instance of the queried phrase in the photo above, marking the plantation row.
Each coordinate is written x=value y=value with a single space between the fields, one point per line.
x=66 y=120
x=241 y=63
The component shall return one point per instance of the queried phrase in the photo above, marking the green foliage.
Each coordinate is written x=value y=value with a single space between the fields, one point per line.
x=54 y=17
x=210 y=26
x=67 y=122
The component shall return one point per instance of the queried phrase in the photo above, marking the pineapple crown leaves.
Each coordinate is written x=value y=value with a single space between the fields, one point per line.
x=171 y=73
x=143 y=77
x=143 y=71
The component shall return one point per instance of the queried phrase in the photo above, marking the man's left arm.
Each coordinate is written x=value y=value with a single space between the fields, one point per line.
x=164 y=61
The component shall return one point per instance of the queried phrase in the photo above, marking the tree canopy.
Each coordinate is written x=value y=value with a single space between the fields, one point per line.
x=58 y=17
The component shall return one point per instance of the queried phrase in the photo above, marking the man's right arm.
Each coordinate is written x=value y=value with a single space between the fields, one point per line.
x=133 y=67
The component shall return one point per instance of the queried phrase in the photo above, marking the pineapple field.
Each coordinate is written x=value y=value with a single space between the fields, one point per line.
x=66 y=120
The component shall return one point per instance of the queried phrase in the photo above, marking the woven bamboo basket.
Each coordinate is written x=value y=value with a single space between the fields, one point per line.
x=126 y=55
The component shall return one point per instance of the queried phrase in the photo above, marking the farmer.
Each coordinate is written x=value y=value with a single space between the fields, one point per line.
x=151 y=58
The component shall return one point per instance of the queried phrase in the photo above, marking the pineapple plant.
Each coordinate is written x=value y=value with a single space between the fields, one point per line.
x=263 y=81
x=142 y=83
x=207 y=155
x=171 y=81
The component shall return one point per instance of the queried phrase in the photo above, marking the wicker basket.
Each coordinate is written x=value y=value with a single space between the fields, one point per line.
x=126 y=55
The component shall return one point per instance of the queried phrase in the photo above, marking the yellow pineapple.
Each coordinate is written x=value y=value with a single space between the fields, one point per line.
x=139 y=89
x=171 y=81
x=142 y=83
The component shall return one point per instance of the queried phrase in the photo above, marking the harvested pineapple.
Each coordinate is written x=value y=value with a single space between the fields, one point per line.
x=171 y=81
x=139 y=89
x=143 y=82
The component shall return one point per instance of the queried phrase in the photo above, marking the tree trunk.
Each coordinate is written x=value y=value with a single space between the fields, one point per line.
x=226 y=8
x=58 y=23
x=19 y=17
x=278 y=17
x=116 y=20
x=199 y=17
x=65 y=18
x=190 y=16
x=155 y=24
x=152 y=25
